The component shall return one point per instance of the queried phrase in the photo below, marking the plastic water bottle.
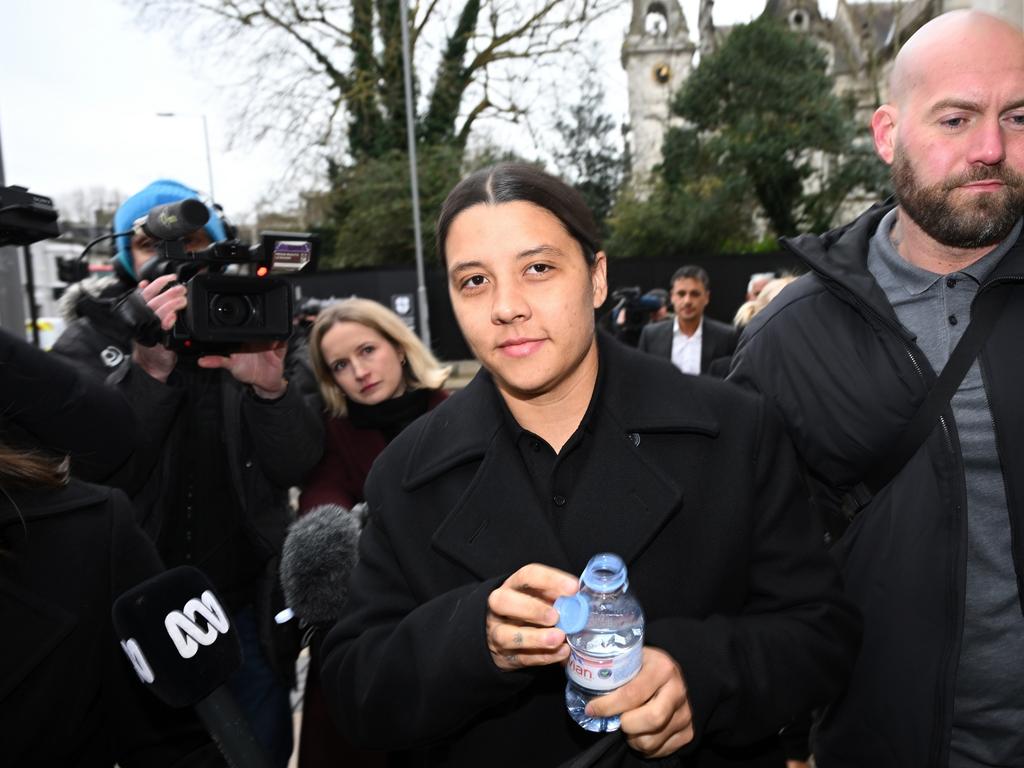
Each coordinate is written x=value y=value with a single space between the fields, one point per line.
x=604 y=626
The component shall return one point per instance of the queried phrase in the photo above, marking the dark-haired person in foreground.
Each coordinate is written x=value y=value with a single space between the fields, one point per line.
x=567 y=444
x=68 y=549
x=934 y=556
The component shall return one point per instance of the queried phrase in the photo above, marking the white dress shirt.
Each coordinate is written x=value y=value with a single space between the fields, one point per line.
x=686 y=349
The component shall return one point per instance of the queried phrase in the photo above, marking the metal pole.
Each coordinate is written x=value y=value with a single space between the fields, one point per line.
x=206 y=144
x=410 y=129
x=209 y=165
x=30 y=290
x=12 y=304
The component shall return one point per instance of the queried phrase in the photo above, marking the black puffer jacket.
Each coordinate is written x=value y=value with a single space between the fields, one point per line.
x=94 y=337
x=847 y=378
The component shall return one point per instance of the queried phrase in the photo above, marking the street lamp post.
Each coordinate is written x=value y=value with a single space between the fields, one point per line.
x=410 y=130
x=206 y=143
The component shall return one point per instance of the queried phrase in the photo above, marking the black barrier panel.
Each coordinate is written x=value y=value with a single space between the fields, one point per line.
x=393 y=287
x=729 y=274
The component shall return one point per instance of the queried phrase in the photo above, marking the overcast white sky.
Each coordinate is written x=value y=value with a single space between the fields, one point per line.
x=81 y=83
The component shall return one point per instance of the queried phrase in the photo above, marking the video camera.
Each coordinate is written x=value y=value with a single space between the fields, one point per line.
x=631 y=312
x=631 y=299
x=225 y=311
x=26 y=218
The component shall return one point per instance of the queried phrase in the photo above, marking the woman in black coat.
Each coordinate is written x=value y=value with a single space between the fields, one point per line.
x=68 y=549
x=565 y=445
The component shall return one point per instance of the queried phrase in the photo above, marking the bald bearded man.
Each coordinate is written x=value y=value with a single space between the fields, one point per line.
x=932 y=550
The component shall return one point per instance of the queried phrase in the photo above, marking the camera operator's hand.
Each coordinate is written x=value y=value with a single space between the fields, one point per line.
x=263 y=370
x=166 y=299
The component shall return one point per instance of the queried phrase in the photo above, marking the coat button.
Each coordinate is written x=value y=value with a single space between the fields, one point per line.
x=952 y=319
x=559 y=500
x=634 y=438
x=248 y=463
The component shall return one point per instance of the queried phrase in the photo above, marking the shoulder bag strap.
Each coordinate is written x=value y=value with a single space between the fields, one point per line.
x=915 y=433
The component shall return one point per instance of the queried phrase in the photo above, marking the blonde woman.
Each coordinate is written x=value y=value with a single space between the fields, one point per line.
x=770 y=290
x=376 y=377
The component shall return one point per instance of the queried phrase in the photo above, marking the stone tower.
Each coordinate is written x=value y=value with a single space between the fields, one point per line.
x=657 y=55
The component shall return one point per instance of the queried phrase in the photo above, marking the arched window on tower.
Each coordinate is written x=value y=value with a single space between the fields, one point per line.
x=656 y=20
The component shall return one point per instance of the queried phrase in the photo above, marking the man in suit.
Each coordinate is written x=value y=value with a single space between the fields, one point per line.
x=690 y=340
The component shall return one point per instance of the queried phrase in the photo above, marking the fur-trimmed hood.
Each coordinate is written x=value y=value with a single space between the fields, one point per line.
x=93 y=288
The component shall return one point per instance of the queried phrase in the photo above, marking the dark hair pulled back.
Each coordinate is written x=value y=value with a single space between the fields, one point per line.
x=519 y=182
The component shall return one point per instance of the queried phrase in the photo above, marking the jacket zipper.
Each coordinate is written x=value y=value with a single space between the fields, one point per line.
x=952 y=603
x=1000 y=449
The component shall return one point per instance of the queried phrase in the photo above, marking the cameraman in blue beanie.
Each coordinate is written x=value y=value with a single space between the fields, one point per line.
x=222 y=440
x=95 y=336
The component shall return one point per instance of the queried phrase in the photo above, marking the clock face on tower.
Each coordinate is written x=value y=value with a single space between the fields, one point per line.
x=662 y=73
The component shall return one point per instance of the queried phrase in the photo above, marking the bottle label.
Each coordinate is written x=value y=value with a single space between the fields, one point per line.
x=604 y=673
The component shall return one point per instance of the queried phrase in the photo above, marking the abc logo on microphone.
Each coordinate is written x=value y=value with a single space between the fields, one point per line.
x=177 y=635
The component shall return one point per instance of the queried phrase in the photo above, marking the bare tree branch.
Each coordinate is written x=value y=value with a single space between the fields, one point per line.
x=303 y=90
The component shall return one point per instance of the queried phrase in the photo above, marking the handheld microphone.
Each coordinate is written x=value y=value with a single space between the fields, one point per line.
x=317 y=559
x=179 y=638
x=173 y=221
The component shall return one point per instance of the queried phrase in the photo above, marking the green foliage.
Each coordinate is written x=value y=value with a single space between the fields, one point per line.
x=761 y=121
x=371 y=209
x=668 y=221
x=370 y=222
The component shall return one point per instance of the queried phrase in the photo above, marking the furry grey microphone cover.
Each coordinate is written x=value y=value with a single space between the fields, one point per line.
x=317 y=559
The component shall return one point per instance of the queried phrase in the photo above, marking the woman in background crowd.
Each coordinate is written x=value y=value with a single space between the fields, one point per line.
x=771 y=289
x=375 y=378
x=68 y=549
x=720 y=366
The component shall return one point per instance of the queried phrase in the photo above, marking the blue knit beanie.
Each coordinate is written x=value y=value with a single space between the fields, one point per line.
x=138 y=205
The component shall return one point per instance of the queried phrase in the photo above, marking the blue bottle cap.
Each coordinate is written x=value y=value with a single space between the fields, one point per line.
x=573 y=611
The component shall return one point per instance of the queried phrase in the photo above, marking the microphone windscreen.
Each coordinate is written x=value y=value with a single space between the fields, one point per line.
x=178 y=636
x=317 y=558
x=173 y=221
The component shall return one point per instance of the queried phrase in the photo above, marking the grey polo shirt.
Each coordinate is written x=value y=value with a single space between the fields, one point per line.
x=988 y=716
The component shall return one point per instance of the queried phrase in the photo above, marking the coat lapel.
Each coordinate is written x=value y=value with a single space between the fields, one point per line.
x=498 y=525
x=622 y=501
x=665 y=338
x=41 y=627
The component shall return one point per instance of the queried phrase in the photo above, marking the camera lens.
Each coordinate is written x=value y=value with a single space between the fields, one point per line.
x=230 y=310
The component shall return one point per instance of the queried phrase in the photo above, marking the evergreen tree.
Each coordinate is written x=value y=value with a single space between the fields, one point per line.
x=589 y=153
x=762 y=111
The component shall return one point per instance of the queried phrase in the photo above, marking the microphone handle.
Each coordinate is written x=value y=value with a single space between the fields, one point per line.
x=230 y=730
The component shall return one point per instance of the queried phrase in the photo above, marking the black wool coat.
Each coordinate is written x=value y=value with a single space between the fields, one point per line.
x=68 y=694
x=690 y=480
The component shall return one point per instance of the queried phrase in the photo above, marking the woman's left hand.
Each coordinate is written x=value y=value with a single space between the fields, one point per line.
x=654 y=708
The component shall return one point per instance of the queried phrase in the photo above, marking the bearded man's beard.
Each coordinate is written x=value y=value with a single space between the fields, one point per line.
x=985 y=219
